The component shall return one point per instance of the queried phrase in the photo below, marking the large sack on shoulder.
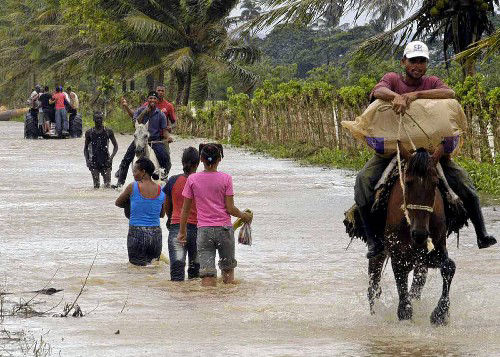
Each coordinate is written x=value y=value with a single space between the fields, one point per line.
x=441 y=119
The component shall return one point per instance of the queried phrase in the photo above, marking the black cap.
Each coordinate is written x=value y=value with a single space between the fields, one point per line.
x=153 y=93
x=98 y=115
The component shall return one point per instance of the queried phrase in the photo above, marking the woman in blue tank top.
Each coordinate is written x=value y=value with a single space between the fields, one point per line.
x=147 y=205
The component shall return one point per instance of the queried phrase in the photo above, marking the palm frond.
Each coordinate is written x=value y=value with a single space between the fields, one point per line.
x=487 y=46
x=247 y=78
x=304 y=11
x=211 y=64
x=180 y=60
x=145 y=25
x=219 y=9
x=248 y=54
x=385 y=42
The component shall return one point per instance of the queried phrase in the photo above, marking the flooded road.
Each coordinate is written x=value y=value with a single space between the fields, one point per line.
x=299 y=291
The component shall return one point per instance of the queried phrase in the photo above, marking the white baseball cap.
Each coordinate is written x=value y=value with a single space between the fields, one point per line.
x=416 y=49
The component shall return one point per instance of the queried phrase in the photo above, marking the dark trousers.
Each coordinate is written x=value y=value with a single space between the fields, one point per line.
x=72 y=113
x=458 y=179
x=143 y=244
x=106 y=176
x=161 y=154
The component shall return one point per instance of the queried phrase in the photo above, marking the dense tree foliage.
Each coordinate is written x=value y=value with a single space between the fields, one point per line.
x=125 y=38
x=98 y=44
x=459 y=23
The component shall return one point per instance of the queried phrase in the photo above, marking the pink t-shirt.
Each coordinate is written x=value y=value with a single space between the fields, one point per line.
x=59 y=97
x=395 y=82
x=209 y=190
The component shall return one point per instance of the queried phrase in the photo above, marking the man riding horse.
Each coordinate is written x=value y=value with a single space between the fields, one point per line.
x=402 y=90
x=157 y=129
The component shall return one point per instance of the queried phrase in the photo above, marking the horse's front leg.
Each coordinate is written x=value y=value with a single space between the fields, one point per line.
x=401 y=270
x=419 y=279
x=375 y=266
x=441 y=313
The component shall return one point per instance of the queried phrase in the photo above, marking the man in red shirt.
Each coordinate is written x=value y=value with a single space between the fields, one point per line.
x=401 y=90
x=62 y=124
x=166 y=107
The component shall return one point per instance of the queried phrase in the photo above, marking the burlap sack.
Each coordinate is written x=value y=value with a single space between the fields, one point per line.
x=442 y=119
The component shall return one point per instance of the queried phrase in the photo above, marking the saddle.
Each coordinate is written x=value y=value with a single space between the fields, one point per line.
x=456 y=215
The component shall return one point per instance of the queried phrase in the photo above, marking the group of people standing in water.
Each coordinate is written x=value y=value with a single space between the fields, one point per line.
x=198 y=205
x=53 y=107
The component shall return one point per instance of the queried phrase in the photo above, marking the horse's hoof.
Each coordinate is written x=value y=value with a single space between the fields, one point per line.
x=440 y=318
x=405 y=311
x=441 y=314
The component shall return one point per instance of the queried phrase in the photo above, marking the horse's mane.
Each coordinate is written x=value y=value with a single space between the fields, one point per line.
x=420 y=164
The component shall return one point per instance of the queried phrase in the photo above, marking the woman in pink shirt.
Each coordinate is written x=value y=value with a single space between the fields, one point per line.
x=213 y=192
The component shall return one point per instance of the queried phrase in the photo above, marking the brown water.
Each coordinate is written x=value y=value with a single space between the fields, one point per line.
x=299 y=293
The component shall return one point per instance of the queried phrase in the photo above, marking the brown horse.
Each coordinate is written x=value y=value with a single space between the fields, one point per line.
x=415 y=213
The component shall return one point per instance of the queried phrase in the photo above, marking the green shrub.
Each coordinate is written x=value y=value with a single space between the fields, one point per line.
x=485 y=175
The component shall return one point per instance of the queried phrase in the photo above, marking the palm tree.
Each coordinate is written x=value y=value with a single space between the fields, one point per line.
x=458 y=22
x=250 y=10
x=331 y=16
x=387 y=11
x=302 y=11
x=187 y=38
x=34 y=37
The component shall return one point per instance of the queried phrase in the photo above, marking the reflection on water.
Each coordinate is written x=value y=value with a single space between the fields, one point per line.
x=299 y=291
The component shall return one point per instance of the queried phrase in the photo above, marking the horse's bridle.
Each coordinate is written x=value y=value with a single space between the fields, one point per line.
x=420 y=208
x=405 y=207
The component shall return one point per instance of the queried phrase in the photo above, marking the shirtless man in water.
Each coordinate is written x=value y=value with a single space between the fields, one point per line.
x=98 y=159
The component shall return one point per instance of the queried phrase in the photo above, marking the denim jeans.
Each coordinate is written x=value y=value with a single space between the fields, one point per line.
x=177 y=253
x=213 y=239
x=162 y=155
x=61 y=121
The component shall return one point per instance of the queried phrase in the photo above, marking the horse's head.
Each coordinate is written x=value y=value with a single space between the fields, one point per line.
x=141 y=137
x=420 y=180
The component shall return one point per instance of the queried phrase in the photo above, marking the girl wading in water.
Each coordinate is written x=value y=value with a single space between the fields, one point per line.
x=174 y=201
x=147 y=205
x=213 y=193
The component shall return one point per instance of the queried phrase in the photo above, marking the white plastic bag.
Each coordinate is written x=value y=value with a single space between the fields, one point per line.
x=245 y=235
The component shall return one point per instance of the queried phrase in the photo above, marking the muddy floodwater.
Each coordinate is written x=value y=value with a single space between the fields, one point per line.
x=299 y=292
